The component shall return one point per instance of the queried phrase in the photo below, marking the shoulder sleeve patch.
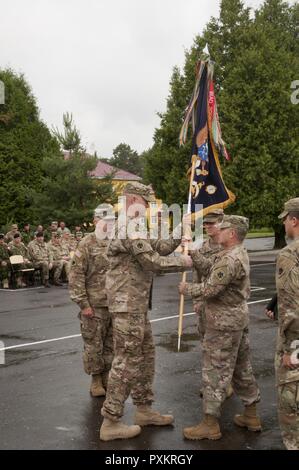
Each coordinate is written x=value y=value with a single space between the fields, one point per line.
x=78 y=253
x=140 y=246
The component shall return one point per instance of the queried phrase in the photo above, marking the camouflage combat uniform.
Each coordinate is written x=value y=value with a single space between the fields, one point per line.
x=4 y=257
x=209 y=250
x=87 y=289
x=57 y=252
x=22 y=250
x=41 y=257
x=226 y=341
x=128 y=284
x=287 y=283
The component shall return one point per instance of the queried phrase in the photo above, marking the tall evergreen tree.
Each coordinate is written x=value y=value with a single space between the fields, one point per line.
x=24 y=143
x=256 y=60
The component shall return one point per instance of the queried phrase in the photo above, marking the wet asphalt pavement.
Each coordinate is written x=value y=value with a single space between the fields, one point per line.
x=45 y=401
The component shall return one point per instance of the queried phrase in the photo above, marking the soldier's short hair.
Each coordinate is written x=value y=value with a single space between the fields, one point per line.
x=293 y=214
x=17 y=235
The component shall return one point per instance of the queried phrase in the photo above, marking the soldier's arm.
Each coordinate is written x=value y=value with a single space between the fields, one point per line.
x=219 y=279
x=150 y=260
x=288 y=304
x=165 y=247
x=77 y=277
x=202 y=263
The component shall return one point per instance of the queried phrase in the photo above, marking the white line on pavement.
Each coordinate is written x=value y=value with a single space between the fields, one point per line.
x=16 y=346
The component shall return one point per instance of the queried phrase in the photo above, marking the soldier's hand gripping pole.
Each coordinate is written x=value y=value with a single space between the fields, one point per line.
x=187 y=235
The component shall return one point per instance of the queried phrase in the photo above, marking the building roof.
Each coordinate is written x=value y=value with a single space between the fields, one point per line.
x=104 y=169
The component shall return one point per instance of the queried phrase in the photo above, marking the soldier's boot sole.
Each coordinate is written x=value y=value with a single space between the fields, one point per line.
x=253 y=425
x=193 y=437
x=121 y=431
x=98 y=393
x=155 y=419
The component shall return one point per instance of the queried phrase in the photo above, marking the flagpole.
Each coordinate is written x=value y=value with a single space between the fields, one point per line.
x=181 y=311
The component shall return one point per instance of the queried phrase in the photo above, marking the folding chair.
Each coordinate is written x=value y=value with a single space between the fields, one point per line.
x=16 y=262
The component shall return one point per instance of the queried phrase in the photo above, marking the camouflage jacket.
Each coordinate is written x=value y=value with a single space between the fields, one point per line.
x=132 y=263
x=4 y=253
x=39 y=252
x=226 y=290
x=56 y=251
x=287 y=284
x=20 y=249
x=88 y=273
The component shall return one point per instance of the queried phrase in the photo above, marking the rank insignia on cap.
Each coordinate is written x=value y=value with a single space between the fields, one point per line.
x=220 y=274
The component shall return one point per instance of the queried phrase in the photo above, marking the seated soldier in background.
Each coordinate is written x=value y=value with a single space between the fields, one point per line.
x=55 y=250
x=66 y=249
x=45 y=234
x=66 y=240
x=4 y=262
x=78 y=237
x=9 y=236
x=72 y=245
x=17 y=247
x=42 y=259
x=62 y=229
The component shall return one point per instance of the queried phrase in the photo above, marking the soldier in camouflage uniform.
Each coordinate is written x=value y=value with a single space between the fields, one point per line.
x=210 y=249
x=57 y=253
x=226 y=342
x=132 y=263
x=9 y=236
x=87 y=288
x=287 y=350
x=17 y=247
x=4 y=262
x=42 y=259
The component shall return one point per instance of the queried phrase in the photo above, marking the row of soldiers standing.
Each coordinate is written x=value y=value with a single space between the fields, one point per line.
x=111 y=281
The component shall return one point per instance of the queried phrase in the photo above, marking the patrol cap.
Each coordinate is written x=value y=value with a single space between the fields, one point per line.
x=54 y=222
x=17 y=235
x=2 y=236
x=235 y=221
x=146 y=192
x=39 y=234
x=214 y=216
x=78 y=234
x=14 y=226
x=290 y=206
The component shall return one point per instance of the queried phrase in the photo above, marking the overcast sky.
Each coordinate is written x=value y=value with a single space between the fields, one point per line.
x=107 y=62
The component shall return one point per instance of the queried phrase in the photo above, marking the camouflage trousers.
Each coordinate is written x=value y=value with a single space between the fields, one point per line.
x=226 y=360
x=288 y=414
x=201 y=322
x=98 y=343
x=44 y=268
x=133 y=366
x=4 y=271
x=66 y=266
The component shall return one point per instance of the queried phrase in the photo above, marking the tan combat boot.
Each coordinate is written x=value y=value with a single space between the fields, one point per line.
x=5 y=284
x=96 y=387
x=111 y=430
x=207 y=429
x=145 y=416
x=249 y=419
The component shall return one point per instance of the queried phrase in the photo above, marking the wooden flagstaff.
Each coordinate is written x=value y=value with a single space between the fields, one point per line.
x=187 y=233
